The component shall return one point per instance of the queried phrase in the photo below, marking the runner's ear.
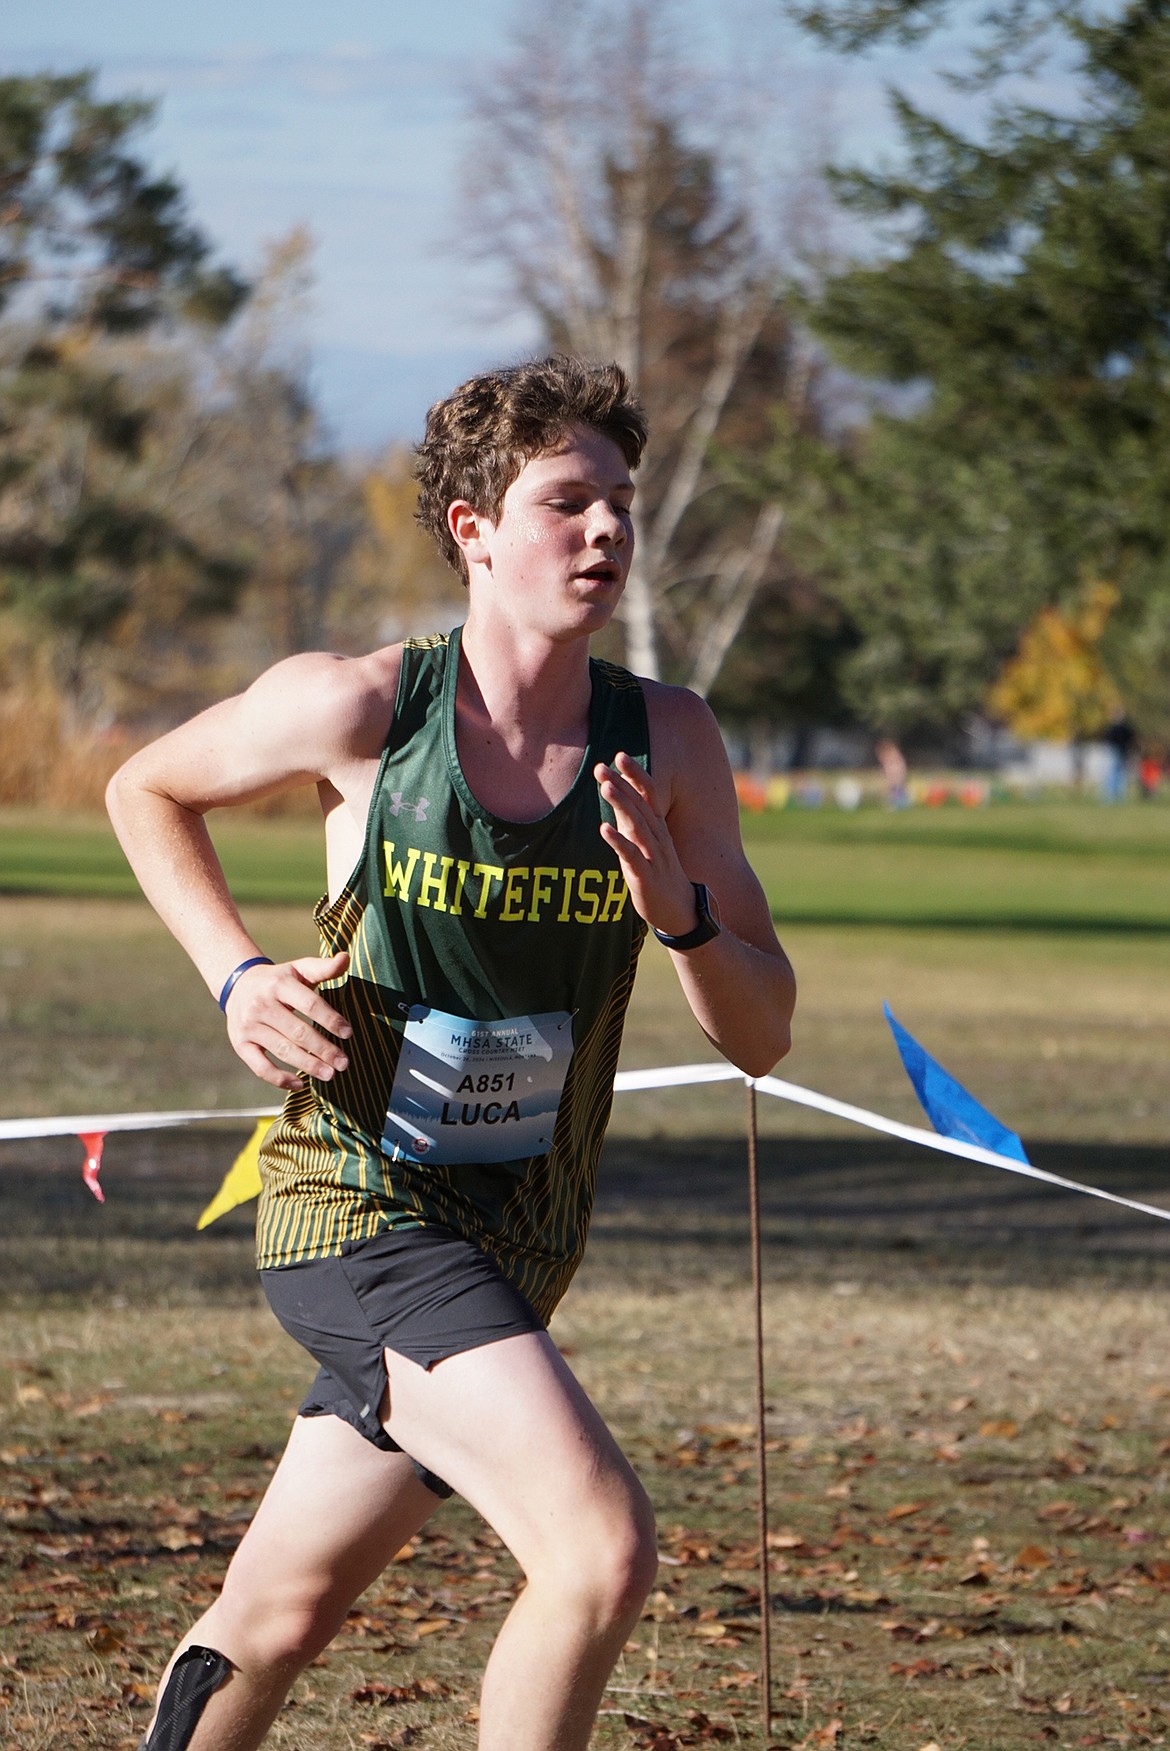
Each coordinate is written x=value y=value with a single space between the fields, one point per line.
x=195 y=1676
x=468 y=528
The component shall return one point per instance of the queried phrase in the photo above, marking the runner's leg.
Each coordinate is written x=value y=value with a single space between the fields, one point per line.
x=512 y=1430
x=336 y=1512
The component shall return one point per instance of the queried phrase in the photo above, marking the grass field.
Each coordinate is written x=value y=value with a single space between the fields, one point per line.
x=1056 y=866
x=969 y=1392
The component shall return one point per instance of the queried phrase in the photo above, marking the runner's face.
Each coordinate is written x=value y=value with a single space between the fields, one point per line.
x=562 y=547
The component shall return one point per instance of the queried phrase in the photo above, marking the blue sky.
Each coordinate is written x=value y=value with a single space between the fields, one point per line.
x=347 y=118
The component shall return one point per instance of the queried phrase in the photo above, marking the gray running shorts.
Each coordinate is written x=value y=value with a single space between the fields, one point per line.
x=424 y=1292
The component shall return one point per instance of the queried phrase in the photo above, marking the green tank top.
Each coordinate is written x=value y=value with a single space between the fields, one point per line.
x=491 y=964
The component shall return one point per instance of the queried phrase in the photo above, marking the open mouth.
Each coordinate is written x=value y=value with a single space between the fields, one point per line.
x=604 y=572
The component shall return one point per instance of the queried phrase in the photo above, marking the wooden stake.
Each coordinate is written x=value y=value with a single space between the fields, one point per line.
x=761 y=1443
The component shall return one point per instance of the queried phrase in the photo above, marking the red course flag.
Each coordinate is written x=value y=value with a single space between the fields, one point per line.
x=92 y=1142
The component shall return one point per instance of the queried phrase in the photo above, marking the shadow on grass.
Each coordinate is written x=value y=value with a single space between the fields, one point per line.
x=845 y=1205
x=1038 y=923
x=850 y=1212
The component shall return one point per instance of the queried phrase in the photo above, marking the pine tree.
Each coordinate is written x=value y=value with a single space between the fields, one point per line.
x=97 y=257
x=1024 y=301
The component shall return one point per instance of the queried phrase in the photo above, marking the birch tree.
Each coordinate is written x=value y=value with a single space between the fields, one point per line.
x=612 y=183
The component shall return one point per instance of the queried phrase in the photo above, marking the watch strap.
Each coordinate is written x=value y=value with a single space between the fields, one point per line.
x=704 y=930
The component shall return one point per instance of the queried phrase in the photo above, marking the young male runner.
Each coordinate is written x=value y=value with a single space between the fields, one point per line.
x=503 y=819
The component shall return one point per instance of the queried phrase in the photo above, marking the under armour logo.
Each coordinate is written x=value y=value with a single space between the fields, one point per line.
x=399 y=805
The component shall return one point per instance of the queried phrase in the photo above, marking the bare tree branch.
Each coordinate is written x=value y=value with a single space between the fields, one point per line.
x=734 y=592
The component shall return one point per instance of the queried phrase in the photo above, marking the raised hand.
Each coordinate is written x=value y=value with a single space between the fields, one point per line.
x=271 y=1013
x=660 y=888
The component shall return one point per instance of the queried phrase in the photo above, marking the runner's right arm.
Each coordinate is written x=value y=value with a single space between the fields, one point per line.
x=311 y=719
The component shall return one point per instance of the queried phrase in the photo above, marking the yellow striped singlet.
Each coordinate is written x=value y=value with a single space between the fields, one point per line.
x=491 y=964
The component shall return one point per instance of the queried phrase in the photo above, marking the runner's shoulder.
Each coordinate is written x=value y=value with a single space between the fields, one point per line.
x=682 y=728
x=342 y=699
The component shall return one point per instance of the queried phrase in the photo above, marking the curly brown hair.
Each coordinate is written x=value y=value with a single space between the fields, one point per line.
x=479 y=438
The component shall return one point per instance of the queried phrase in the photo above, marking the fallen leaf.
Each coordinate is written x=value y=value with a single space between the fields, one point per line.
x=104 y=1640
x=705 y=1729
x=651 y=1735
x=1001 y=1427
x=1033 y=1556
x=386 y=1695
x=903 y=1510
x=823 y=1736
x=179 y=1538
x=692 y=1550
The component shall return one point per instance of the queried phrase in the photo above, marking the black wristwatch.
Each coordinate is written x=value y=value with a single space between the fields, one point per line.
x=707 y=927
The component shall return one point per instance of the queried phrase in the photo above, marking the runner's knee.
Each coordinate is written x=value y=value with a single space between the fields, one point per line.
x=613 y=1564
x=634 y=1559
x=279 y=1629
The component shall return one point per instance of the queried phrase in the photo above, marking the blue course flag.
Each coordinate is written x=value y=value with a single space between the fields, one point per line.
x=951 y=1110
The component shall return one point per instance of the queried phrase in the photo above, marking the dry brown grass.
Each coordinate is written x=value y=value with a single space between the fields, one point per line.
x=969 y=1398
x=970 y=1520
x=44 y=760
x=48 y=762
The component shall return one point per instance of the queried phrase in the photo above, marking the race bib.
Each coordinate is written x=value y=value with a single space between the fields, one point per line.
x=477 y=1090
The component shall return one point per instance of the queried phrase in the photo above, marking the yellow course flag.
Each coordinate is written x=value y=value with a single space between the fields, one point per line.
x=242 y=1181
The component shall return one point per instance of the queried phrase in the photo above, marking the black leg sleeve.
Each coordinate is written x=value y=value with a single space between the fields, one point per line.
x=195 y=1675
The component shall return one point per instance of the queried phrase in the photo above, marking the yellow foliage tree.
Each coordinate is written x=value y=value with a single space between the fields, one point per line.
x=1056 y=688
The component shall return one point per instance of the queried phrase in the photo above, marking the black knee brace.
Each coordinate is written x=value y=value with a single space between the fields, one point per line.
x=195 y=1675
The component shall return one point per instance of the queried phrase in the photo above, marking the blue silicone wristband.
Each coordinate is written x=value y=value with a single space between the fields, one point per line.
x=229 y=983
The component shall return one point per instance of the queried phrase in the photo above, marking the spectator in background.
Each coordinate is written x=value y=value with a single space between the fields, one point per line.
x=1151 y=768
x=1119 y=737
x=894 y=771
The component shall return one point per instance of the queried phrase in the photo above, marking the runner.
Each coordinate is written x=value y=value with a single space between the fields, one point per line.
x=504 y=817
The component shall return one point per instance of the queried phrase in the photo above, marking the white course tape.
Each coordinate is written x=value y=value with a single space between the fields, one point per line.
x=824 y=1103
x=83 y=1124
x=675 y=1076
x=625 y=1082
x=87 y=1124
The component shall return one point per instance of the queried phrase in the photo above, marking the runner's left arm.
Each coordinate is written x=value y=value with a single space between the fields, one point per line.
x=679 y=827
